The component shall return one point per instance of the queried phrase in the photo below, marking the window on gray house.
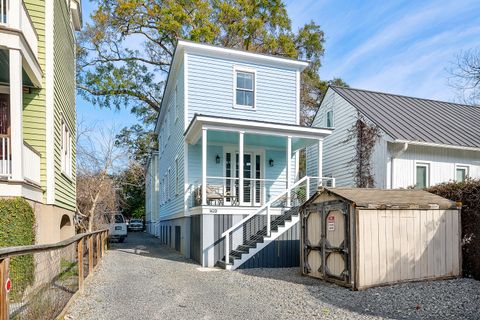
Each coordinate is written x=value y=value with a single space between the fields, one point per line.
x=421 y=176
x=330 y=119
x=461 y=174
x=245 y=90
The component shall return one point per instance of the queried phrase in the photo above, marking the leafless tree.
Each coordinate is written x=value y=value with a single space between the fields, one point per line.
x=466 y=76
x=97 y=158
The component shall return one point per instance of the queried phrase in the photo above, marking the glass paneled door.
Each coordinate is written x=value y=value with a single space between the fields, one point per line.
x=252 y=174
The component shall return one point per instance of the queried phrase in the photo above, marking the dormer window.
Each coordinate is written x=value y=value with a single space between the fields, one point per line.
x=245 y=88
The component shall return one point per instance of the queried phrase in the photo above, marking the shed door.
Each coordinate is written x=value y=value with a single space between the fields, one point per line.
x=325 y=233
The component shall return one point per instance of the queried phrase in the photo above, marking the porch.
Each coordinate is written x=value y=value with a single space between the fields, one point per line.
x=268 y=154
x=20 y=73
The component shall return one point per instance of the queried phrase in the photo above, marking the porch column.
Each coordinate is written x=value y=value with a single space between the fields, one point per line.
x=320 y=163
x=240 y=167
x=204 y=167
x=289 y=167
x=16 y=107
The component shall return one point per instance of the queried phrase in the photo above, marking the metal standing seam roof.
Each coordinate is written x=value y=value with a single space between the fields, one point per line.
x=417 y=119
x=391 y=198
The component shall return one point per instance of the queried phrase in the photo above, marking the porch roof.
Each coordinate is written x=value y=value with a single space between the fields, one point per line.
x=301 y=136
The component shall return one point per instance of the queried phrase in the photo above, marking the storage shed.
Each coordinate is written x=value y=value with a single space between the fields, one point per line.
x=361 y=238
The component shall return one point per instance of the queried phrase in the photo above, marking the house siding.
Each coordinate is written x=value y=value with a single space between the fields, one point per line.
x=64 y=102
x=34 y=129
x=337 y=152
x=210 y=90
x=442 y=163
x=173 y=148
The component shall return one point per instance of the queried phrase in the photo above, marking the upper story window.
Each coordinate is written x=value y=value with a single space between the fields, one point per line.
x=66 y=150
x=422 y=175
x=461 y=173
x=330 y=119
x=245 y=88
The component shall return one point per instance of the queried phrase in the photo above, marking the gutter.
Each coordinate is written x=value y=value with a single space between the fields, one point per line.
x=438 y=145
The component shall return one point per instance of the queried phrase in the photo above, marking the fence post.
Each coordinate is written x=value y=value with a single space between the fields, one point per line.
x=4 y=266
x=99 y=244
x=102 y=243
x=80 y=264
x=90 y=255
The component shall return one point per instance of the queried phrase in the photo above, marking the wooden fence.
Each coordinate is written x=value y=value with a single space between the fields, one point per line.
x=55 y=273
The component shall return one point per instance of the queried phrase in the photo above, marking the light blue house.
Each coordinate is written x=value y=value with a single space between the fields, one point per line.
x=225 y=185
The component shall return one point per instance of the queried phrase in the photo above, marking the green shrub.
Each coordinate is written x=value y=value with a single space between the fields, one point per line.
x=17 y=228
x=468 y=193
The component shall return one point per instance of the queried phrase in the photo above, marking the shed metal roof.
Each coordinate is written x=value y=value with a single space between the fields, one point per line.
x=391 y=198
x=415 y=119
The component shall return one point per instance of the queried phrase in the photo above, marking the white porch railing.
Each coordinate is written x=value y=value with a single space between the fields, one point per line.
x=23 y=22
x=31 y=164
x=5 y=159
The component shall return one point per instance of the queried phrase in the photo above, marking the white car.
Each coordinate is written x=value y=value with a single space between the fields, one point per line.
x=135 y=225
x=118 y=229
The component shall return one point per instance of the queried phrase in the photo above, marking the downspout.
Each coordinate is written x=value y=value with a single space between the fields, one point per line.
x=396 y=155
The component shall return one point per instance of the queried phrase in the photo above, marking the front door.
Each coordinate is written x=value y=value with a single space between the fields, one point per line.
x=252 y=175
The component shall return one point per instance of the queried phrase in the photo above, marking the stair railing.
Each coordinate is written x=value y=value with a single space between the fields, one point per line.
x=267 y=207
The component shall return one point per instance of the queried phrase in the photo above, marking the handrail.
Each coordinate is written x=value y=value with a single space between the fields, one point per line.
x=21 y=250
x=249 y=179
x=264 y=206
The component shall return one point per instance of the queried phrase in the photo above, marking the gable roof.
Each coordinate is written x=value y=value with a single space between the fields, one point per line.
x=410 y=119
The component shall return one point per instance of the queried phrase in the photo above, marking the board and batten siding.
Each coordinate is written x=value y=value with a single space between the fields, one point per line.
x=442 y=164
x=211 y=92
x=402 y=245
x=171 y=202
x=336 y=151
x=64 y=102
x=34 y=114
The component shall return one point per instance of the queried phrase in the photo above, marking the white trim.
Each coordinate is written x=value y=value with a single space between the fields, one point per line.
x=16 y=114
x=185 y=91
x=297 y=92
x=49 y=103
x=204 y=167
x=426 y=164
x=235 y=54
x=241 y=151
x=237 y=68
x=465 y=167
x=186 y=182
x=289 y=167
x=256 y=127
x=437 y=145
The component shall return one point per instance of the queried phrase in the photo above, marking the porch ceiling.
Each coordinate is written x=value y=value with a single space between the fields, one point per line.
x=257 y=133
x=257 y=140
x=5 y=72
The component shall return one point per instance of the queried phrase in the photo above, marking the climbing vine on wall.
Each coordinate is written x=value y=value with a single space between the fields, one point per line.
x=365 y=137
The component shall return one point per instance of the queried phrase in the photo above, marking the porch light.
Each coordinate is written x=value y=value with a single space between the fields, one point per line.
x=217 y=159
x=271 y=162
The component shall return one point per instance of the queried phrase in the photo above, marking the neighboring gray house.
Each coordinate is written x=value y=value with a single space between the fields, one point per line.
x=229 y=138
x=421 y=142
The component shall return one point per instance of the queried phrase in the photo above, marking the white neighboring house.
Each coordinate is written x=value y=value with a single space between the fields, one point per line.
x=422 y=142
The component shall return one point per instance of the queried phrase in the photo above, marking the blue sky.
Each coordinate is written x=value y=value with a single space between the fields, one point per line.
x=403 y=47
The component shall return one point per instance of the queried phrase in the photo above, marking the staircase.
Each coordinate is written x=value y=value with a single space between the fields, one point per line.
x=260 y=228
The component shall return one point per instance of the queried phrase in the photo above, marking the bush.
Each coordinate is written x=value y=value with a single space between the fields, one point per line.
x=17 y=228
x=468 y=193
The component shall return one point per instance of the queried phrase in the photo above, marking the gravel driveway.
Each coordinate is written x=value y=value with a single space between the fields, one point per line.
x=141 y=279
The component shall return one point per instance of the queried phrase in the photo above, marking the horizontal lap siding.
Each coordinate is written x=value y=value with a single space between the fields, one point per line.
x=64 y=101
x=173 y=148
x=210 y=85
x=336 y=152
x=34 y=103
x=442 y=164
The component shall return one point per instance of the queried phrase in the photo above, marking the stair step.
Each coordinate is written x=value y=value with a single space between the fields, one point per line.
x=236 y=253
x=251 y=243
x=245 y=248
